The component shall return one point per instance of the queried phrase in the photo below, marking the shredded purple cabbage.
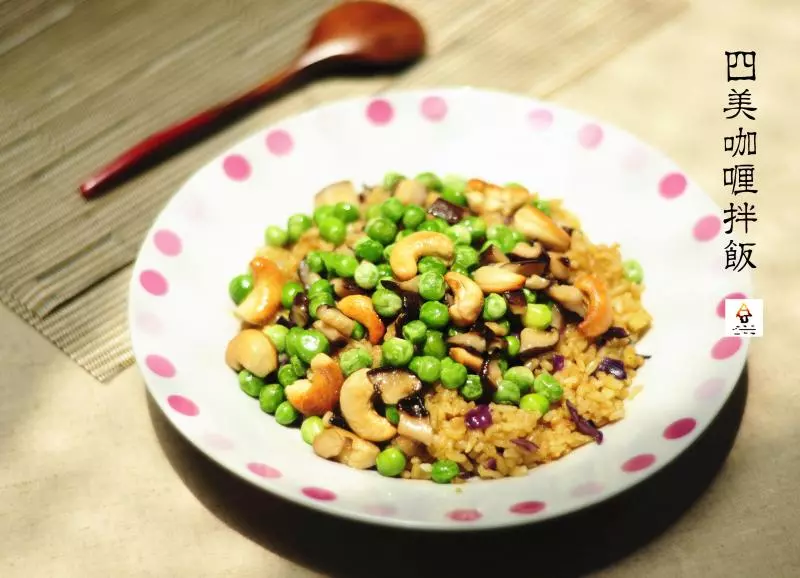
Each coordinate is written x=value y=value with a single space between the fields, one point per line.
x=611 y=333
x=525 y=444
x=613 y=367
x=585 y=426
x=558 y=362
x=491 y=463
x=479 y=417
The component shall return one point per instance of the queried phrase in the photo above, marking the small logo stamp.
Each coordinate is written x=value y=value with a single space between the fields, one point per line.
x=744 y=317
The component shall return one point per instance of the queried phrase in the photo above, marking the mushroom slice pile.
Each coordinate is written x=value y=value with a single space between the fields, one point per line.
x=340 y=445
x=535 y=341
x=394 y=384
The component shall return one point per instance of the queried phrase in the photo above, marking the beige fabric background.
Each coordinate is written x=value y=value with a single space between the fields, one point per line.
x=87 y=490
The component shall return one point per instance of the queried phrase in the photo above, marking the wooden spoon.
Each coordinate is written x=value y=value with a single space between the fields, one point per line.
x=352 y=35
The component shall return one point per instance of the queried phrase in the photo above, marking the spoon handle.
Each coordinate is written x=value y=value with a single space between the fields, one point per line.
x=178 y=136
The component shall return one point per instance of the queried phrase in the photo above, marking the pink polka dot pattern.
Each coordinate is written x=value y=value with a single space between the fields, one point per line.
x=673 y=185
x=263 y=470
x=726 y=347
x=160 y=365
x=149 y=323
x=153 y=282
x=168 y=243
x=381 y=510
x=721 y=304
x=587 y=489
x=218 y=442
x=707 y=228
x=434 y=108
x=279 y=142
x=531 y=507
x=464 y=515
x=319 y=494
x=680 y=428
x=710 y=388
x=380 y=112
x=590 y=136
x=183 y=405
x=638 y=463
x=237 y=167
x=540 y=119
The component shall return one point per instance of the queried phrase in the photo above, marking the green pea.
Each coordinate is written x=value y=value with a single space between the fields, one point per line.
x=522 y=376
x=333 y=230
x=453 y=375
x=320 y=287
x=530 y=296
x=277 y=335
x=431 y=263
x=274 y=236
x=297 y=225
x=633 y=271
x=386 y=303
x=428 y=225
x=358 y=331
x=250 y=384
x=384 y=271
x=455 y=183
x=443 y=471
x=535 y=402
x=503 y=235
x=310 y=344
x=494 y=307
x=403 y=234
x=425 y=367
x=391 y=180
x=315 y=262
x=514 y=184
x=434 y=314
x=393 y=209
x=292 y=339
x=289 y=291
x=431 y=286
x=415 y=331
x=465 y=256
x=453 y=331
x=537 y=316
x=391 y=414
x=435 y=345
x=397 y=352
x=507 y=393
x=286 y=375
x=548 y=386
x=476 y=227
x=345 y=265
x=368 y=250
x=439 y=225
x=373 y=211
x=381 y=229
x=321 y=299
x=453 y=196
x=271 y=397
x=459 y=269
x=488 y=243
x=430 y=180
x=517 y=237
x=459 y=234
x=347 y=212
x=390 y=462
x=240 y=287
x=299 y=367
x=472 y=388
x=285 y=414
x=324 y=212
x=413 y=216
x=513 y=345
x=329 y=258
x=311 y=427
x=366 y=275
x=354 y=359
x=543 y=206
x=387 y=252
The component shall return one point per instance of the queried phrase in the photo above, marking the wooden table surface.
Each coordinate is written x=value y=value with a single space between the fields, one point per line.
x=94 y=484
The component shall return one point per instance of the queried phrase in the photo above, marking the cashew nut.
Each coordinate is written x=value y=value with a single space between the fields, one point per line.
x=409 y=191
x=355 y=402
x=360 y=308
x=534 y=224
x=341 y=192
x=264 y=299
x=408 y=250
x=468 y=299
x=535 y=283
x=599 y=314
x=466 y=358
x=320 y=392
x=253 y=351
x=346 y=448
x=492 y=279
x=570 y=297
x=336 y=319
x=558 y=268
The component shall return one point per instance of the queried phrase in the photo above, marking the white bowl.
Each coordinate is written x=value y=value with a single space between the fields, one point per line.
x=622 y=190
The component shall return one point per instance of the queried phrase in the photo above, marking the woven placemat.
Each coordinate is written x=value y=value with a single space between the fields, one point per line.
x=81 y=80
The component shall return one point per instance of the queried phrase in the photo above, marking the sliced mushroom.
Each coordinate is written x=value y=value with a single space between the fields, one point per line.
x=346 y=287
x=492 y=255
x=534 y=224
x=341 y=192
x=495 y=279
x=252 y=350
x=516 y=301
x=307 y=276
x=393 y=384
x=264 y=299
x=490 y=373
x=599 y=314
x=525 y=251
x=331 y=333
x=416 y=428
x=535 y=341
x=536 y=283
x=559 y=266
x=409 y=191
x=320 y=391
x=346 y=448
x=446 y=210
x=360 y=308
x=528 y=267
x=467 y=299
x=408 y=250
x=410 y=447
x=558 y=319
x=466 y=358
x=411 y=299
x=502 y=200
x=497 y=329
x=355 y=401
x=299 y=314
x=570 y=297
x=336 y=319
x=472 y=341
